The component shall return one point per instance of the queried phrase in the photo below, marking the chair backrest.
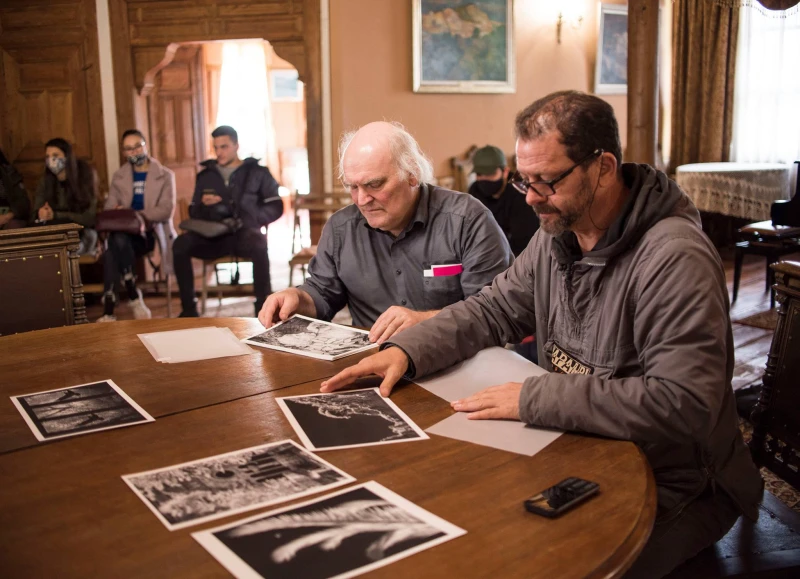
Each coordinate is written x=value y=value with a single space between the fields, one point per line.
x=462 y=169
x=776 y=417
x=40 y=280
x=787 y=212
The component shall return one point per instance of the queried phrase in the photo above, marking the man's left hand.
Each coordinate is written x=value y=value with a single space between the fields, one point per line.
x=497 y=402
x=394 y=320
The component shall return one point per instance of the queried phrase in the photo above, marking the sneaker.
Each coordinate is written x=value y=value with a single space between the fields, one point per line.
x=140 y=311
x=107 y=318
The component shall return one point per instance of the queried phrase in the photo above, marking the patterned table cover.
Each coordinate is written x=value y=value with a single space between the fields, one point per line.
x=744 y=190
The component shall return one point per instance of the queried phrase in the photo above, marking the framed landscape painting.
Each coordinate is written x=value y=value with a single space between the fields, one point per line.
x=463 y=46
x=611 y=71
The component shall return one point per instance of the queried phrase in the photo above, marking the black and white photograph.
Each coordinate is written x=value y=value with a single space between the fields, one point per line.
x=348 y=419
x=202 y=490
x=313 y=338
x=341 y=535
x=79 y=410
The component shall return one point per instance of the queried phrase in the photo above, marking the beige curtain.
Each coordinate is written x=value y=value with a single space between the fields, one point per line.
x=704 y=34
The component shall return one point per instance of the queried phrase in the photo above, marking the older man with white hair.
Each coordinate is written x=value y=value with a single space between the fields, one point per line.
x=404 y=250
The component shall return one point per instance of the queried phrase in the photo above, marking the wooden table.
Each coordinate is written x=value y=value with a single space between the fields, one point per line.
x=66 y=512
x=744 y=190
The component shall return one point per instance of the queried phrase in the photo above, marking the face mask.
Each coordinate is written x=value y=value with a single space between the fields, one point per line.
x=488 y=188
x=56 y=164
x=137 y=160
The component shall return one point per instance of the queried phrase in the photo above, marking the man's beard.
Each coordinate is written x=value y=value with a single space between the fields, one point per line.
x=569 y=214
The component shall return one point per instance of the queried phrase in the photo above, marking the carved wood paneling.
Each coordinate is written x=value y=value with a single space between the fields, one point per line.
x=176 y=117
x=49 y=83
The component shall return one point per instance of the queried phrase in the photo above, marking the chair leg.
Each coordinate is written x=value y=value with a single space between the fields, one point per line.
x=291 y=270
x=169 y=295
x=766 y=276
x=737 y=272
x=203 y=291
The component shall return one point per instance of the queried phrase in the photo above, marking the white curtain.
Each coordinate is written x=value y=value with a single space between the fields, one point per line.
x=766 y=115
x=244 y=102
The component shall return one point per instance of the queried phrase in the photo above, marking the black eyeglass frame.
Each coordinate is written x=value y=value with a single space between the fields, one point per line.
x=524 y=186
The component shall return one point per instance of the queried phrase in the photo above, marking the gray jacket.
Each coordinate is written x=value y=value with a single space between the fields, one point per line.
x=640 y=324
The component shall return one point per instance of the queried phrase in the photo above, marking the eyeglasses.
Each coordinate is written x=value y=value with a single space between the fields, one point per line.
x=132 y=149
x=547 y=188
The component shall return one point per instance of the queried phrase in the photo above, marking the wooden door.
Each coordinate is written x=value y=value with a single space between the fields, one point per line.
x=49 y=83
x=176 y=120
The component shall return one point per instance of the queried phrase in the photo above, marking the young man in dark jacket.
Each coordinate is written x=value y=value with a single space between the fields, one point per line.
x=238 y=191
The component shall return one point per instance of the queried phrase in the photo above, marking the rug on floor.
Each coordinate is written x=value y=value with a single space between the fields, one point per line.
x=766 y=320
x=782 y=490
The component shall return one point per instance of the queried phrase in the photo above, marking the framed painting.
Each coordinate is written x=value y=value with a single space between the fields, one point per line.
x=286 y=85
x=463 y=46
x=611 y=70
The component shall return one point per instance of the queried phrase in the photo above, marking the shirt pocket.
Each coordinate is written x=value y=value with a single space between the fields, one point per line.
x=441 y=291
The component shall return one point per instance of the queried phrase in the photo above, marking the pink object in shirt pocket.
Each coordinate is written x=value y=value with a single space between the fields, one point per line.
x=444 y=270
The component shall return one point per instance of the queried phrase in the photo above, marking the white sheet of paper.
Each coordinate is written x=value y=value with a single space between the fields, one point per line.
x=194 y=344
x=488 y=367
x=503 y=434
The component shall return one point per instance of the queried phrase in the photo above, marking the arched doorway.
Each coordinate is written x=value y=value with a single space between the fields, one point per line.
x=147 y=35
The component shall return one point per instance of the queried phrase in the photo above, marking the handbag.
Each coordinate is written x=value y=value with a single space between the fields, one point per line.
x=124 y=220
x=211 y=229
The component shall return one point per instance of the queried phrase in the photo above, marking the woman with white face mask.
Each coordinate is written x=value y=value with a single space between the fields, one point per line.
x=67 y=193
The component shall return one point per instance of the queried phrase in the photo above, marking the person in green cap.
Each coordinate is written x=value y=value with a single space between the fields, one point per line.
x=492 y=188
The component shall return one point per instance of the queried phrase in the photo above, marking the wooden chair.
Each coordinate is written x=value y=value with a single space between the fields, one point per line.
x=39 y=279
x=776 y=417
x=183 y=213
x=773 y=239
x=769 y=547
x=328 y=203
x=462 y=169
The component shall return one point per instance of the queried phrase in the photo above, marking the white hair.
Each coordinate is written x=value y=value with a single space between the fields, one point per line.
x=404 y=150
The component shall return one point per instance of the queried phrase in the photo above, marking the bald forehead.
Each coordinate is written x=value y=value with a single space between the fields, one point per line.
x=368 y=156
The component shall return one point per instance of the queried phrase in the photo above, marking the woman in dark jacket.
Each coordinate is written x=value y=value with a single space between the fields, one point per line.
x=67 y=193
x=15 y=207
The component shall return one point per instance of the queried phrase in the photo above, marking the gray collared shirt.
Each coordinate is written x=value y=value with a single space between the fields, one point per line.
x=370 y=270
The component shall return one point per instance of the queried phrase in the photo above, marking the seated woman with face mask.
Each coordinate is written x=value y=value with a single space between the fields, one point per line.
x=67 y=193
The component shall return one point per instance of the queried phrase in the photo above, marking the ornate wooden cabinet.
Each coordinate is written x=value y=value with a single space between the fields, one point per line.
x=40 y=284
x=776 y=417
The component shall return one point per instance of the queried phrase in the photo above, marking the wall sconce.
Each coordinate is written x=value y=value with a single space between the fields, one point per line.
x=576 y=22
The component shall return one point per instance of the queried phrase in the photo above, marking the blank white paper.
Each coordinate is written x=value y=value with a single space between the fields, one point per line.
x=489 y=367
x=194 y=344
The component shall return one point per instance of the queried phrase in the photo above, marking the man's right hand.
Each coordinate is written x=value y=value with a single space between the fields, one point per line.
x=391 y=365
x=279 y=307
x=211 y=199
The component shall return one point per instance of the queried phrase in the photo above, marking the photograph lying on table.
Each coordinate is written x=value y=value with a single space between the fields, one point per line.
x=348 y=419
x=79 y=410
x=210 y=488
x=343 y=534
x=313 y=338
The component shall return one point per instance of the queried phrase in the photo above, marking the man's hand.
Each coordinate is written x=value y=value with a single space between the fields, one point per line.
x=394 y=320
x=45 y=212
x=211 y=199
x=390 y=365
x=495 y=402
x=279 y=307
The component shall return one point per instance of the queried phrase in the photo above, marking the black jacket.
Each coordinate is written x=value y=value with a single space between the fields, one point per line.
x=251 y=194
x=13 y=192
x=514 y=216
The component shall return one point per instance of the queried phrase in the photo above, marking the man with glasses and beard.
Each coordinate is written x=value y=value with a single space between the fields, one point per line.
x=493 y=188
x=627 y=299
